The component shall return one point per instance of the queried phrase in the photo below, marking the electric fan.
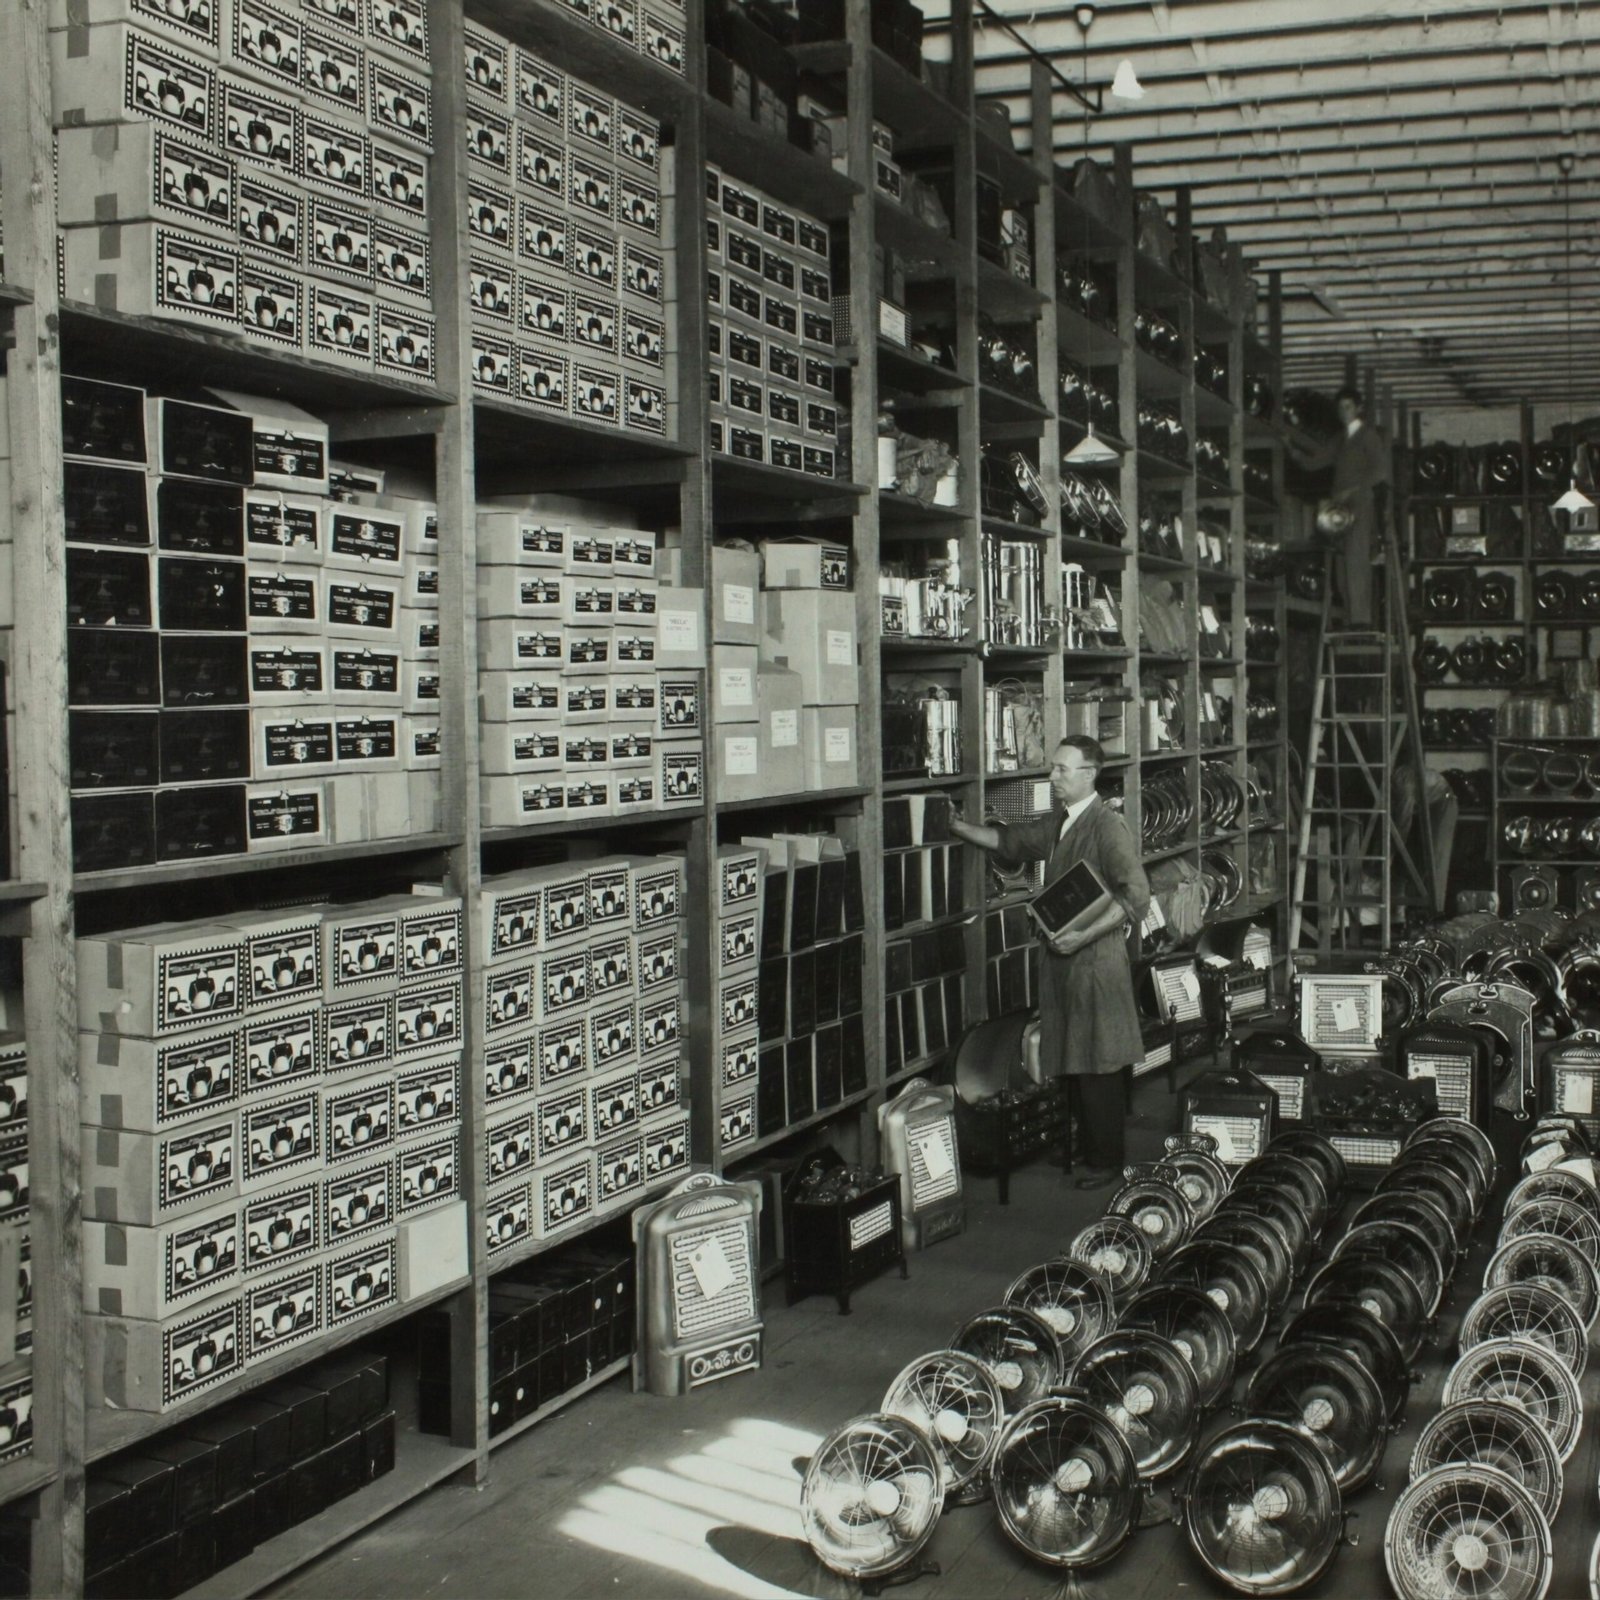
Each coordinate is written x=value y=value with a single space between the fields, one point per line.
x=1419 y=1211
x=1201 y=1179
x=954 y=1399
x=1405 y=1246
x=1354 y=1331
x=1115 y=1249
x=1490 y=1433
x=1070 y=1299
x=1555 y=1183
x=1562 y=1219
x=1440 y=1183
x=872 y=1496
x=1467 y=1532
x=1295 y=1176
x=1330 y=1395
x=1378 y=1286
x=1264 y=1513
x=1462 y=1132
x=1147 y=1388
x=1260 y=1241
x=1555 y=1264
x=1312 y=1146
x=1457 y=1160
x=1196 y=1326
x=1527 y=1311
x=1522 y=1374
x=1065 y=1483
x=1229 y=1278
x=1018 y=1348
x=1280 y=1211
x=1551 y=1146
x=1157 y=1210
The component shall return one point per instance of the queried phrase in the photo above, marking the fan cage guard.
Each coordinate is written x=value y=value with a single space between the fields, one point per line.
x=1527 y=1311
x=1281 y=1518
x=1158 y=1211
x=1230 y=1278
x=857 y=1505
x=956 y=1402
x=1200 y=1179
x=1556 y=1184
x=1128 y=1375
x=1172 y=1311
x=1062 y=1469
x=1020 y=1351
x=1490 y=1433
x=1564 y=1219
x=1304 y=1385
x=1493 y=1526
x=1532 y=1258
x=1070 y=1299
x=1118 y=1251
x=1523 y=1374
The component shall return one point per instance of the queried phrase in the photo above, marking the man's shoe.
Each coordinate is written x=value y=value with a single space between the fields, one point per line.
x=1097 y=1178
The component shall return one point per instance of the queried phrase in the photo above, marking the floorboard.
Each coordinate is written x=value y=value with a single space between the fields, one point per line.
x=695 y=1498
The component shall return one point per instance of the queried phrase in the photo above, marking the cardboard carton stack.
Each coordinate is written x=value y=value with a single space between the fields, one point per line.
x=582 y=1016
x=257 y=166
x=589 y=681
x=769 y=295
x=569 y=243
x=253 y=634
x=271 y=1135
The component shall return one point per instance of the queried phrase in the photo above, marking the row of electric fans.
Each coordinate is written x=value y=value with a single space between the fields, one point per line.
x=1487 y=1471
x=1479 y=660
x=1543 y=952
x=1071 y=1403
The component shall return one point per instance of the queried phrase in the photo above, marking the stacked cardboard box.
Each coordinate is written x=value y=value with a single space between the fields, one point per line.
x=569 y=243
x=589 y=688
x=270 y=176
x=271 y=1135
x=253 y=634
x=808 y=630
x=770 y=332
x=735 y=1020
x=582 y=1017
x=16 y=1256
x=163 y=1517
x=554 y=1322
x=811 y=1051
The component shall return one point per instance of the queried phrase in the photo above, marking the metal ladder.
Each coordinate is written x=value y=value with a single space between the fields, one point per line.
x=1365 y=846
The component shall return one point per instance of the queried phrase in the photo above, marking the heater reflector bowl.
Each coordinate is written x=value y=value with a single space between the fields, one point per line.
x=1020 y=1350
x=1118 y=1251
x=1528 y=1311
x=1467 y=1533
x=1333 y=1398
x=1147 y=1389
x=1490 y=1433
x=1070 y=1299
x=1557 y=1264
x=1522 y=1374
x=1193 y=1323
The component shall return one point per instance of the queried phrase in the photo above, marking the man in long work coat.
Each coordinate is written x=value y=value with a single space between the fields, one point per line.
x=1089 y=1023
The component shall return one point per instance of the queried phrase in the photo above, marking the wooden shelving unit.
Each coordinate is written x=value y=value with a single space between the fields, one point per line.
x=480 y=446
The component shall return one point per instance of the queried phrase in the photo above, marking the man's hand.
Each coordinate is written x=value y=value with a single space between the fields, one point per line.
x=1068 y=942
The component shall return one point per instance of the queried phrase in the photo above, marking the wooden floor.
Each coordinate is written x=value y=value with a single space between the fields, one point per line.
x=627 y=1495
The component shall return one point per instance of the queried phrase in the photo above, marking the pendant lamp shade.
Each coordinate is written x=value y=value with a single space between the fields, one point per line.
x=1126 y=85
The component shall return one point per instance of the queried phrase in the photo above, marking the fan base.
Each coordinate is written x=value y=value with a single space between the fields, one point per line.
x=1159 y=1509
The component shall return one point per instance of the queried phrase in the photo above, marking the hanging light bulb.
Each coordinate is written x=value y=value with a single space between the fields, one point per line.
x=1574 y=500
x=1126 y=85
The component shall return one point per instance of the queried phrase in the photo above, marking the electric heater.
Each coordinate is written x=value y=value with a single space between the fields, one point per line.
x=1341 y=1015
x=1285 y=1063
x=1460 y=1061
x=1236 y=1109
x=1505 y=1011
x=699 y=1306
x=1568 y=1076
x=917 y=1132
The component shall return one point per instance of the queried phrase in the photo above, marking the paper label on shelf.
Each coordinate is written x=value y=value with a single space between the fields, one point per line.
x=736 y=686
x=935 y=1158
x=835 y=745
x=841 y=648
x=739 y=757
x=785 y=729
x=739 y=603
x=1576 y=1090
x=711 y=1270
x=678 y=630
x=1346 y=1014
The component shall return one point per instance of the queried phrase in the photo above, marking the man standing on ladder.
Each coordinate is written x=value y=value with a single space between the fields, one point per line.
x=1088 y=1019
x=1360 y=461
